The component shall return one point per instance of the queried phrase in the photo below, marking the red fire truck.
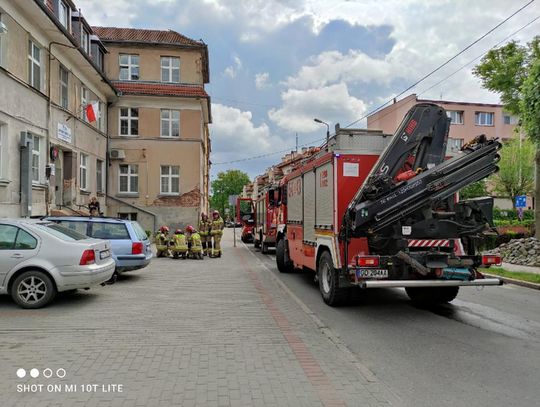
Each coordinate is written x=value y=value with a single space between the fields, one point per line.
x=245 y=215
x=373 y=210
x=269 y=217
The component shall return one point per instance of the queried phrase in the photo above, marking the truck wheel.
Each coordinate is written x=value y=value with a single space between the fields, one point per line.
x=331 y=292
x=33 y=289
x=264 y=248
x=284 y=264
x=432 y=295
x=257 y=243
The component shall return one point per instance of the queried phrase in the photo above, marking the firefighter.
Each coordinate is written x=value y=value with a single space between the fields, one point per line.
x=180 y=247
x=162 y=241
x=204 y=231
x=195 y=244
x=216 y=231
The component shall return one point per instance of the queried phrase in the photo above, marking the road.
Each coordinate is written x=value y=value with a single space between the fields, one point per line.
x=483 y=349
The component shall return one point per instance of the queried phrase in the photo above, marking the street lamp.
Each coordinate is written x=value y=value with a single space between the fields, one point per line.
x=327 y=129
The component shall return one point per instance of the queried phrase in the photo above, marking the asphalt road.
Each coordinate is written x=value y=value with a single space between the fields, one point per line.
x=483 y=349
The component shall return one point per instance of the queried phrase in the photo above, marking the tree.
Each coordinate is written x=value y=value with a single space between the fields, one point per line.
x=516 y=169
x=227 y=183
x=474 y=190
x=513 y=71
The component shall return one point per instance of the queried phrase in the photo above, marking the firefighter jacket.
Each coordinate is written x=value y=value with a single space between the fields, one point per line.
x=204 y=227
x=217 y=226
x=180 y=242
x=161 y=239
x=195 y=240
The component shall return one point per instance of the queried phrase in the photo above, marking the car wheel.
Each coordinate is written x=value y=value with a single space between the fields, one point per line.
x=331 y=292
x=284 y=264
x=33 y=289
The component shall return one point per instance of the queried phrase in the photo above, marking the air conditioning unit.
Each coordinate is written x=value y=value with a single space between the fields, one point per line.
x=117 y=154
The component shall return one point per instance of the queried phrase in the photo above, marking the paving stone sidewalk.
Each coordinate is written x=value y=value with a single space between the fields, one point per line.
x=217 y=332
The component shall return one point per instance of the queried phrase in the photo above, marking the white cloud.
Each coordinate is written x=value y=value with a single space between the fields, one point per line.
x=329 y=103
x=261 y=80
x=232 y=70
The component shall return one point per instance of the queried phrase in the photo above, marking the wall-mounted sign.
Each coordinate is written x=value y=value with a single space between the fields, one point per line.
x=64 y=133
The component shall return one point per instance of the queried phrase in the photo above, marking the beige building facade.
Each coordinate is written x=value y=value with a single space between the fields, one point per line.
x=159 y=138
x=52 y=157
x=468 y=120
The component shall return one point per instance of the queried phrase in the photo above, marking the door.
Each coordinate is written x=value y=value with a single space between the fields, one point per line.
x=59 y=179
x=16 y=246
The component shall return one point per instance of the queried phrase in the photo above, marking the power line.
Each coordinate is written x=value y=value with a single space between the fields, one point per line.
x=444 y=63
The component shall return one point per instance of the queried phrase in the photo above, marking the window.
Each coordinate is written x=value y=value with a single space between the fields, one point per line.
x=455 y=144
x=34 y=65
x=129 y=67
x=83 y=173
x=101 y=117
x=2 y=43
x=25 y=241
x=84 y=102
x=170 y=69
x=456 y=117
x=509 y=119
x=129 y=121
x=8 y=234
x=64 y=77
x=36 y=159
x=170 y=123
x=80 y=227
x=99 y=176
x=109 y=231
x=484 y=118
x=170 y=179
x=63 y=14
x=129 y=178
x=3 y=150
x=128 y=216
x=85 y=40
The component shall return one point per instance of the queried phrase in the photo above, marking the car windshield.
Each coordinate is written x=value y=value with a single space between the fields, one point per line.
x=61 y=232
x=141 y=234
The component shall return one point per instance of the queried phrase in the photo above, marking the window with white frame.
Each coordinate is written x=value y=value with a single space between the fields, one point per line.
x=455 y=144
x=129 y=121
x=170 y=180
x=83 y=172
x=63 y=14
x=456 y=116
x=63 y=80
x=129 y=67
x=170 y=69
x=85 y=40
x=84 y=102
x=36 y=159
x=101 y=116
x=128 y=178
x=34 y=65
x=3 y=150
x=170 y=123
x=2 y=43
x=100 y=184
x=484 y=118
x=509 y=119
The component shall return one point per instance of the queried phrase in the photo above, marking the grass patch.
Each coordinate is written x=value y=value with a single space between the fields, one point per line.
x=517 y=275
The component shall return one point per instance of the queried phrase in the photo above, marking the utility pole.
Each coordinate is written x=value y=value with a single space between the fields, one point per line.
x=297 y=142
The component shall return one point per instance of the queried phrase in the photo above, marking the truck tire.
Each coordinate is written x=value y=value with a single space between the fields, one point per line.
x=33 y=289
x=284 y=264
x=257 y=243
x=432 y=295
x=331 y=292
x=264 y=248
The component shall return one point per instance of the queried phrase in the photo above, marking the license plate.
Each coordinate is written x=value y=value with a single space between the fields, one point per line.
x=104 y=254
x=371 y=273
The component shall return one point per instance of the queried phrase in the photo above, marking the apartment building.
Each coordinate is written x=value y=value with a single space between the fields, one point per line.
x=468 y=120
x=158 y=127
x=52 y=155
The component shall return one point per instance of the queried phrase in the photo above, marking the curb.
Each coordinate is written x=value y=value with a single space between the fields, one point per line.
x=508 y=280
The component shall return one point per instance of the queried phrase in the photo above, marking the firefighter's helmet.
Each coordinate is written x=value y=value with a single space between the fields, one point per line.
x=178 y=232
x=204 y=216
x=215 y=214
x=164 y=229
x=190 y=229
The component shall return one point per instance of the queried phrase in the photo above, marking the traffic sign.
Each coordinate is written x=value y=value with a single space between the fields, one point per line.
x=521 y=201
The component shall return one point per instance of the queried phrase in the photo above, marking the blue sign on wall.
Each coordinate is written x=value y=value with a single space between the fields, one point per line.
x=521 y=201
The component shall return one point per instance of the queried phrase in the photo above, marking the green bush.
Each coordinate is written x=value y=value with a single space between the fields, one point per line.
x=511 y=214
x=513 y=222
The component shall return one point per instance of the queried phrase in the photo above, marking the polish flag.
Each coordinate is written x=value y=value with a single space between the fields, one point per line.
x=92 y=112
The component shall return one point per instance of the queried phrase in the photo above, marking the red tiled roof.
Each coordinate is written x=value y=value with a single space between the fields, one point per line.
x=140 y=35
x=160 y=89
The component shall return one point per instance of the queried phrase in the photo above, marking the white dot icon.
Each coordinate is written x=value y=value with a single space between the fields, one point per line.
x=34 y=373
x=47 y=373
x=21 y=373
x=61 y=373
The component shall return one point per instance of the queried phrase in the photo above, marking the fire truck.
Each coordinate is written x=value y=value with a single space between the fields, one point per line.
x=269 y=214
x=373 y=210
x=245 y=215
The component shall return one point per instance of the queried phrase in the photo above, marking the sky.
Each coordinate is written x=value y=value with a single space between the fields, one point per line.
x=275 y=65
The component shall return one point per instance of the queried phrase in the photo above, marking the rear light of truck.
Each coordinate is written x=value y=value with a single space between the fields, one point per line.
x=367 y=261
x=136 y=248
x=88 y=257
x=491 y=260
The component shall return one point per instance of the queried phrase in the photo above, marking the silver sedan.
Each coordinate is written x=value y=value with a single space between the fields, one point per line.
x=39 y=259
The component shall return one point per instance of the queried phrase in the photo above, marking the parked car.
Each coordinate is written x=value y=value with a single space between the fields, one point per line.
x=40 y=258
x=131 y=248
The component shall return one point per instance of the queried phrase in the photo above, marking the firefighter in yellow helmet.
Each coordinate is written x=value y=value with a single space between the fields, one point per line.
x=216 y=231
x=204 y=231
x=180 y=246
x=194 y=244
x=162 y=242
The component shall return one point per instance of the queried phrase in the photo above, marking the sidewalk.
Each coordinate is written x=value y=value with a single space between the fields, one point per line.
x=218 y=332
x=517 y=267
